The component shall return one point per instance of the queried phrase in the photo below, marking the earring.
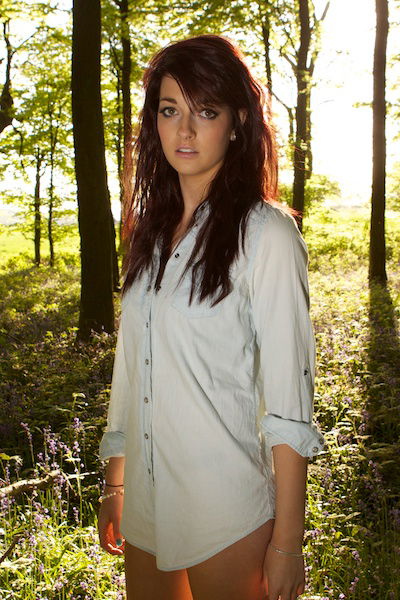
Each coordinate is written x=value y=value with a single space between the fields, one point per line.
x=233 y=136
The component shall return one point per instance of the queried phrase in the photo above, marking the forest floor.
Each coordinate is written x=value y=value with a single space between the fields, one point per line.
x=54 y=393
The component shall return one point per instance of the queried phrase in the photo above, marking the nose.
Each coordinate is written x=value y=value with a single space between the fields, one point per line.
x=186 y=128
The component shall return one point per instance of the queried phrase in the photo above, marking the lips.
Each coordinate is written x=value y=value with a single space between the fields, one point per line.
x=184 y=150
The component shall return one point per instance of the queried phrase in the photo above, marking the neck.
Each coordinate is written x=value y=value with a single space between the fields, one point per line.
x=193 y=194
x=195 y=189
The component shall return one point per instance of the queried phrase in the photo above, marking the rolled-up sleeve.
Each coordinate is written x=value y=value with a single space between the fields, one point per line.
x=113 y=440
x=279 y=298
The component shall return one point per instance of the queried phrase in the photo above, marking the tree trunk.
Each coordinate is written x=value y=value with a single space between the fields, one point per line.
x=36 y=208
x=300 y=148
x=266 y=30
x=127 y=161
x=94 y=210
x=377 y=256
x=51 y=205
x=6 y=101
x=115 y=266
x=309 y=154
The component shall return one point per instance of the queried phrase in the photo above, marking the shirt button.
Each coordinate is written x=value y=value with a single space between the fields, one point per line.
x=147 y=323
x=149 y=470
x=315 y=449
x=177 y=255
x=147 y=361
x=146 y=399
x=148 y=288
x=146 y=435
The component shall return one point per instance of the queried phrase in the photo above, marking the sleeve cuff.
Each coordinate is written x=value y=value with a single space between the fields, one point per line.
x=112 y=444
x=305 y=438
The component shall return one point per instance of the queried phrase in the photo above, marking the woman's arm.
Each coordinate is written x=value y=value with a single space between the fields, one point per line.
x=291 y=478
x=284 y=573
x=114 y=473
x=111 y=508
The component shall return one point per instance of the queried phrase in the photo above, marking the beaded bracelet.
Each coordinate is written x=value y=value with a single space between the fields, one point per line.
x=105 y=496
x=296 y=554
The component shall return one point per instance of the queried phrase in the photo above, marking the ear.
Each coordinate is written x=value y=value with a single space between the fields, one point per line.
x=242 y=115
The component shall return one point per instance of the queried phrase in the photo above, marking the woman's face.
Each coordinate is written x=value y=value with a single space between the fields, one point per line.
x=194 y=143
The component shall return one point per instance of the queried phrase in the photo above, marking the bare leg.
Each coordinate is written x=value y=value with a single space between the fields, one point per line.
x=145 y=582
x=235 y=573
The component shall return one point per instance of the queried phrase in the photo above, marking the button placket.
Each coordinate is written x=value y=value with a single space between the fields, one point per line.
x=147 y=405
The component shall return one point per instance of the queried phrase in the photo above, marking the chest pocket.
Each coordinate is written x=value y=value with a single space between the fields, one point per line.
x=197 y=309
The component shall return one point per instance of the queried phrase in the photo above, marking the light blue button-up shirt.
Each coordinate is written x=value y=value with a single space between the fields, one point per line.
x=201 y=394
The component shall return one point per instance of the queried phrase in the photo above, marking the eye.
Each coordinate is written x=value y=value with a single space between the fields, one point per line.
x=208 y=113
x=167 y=111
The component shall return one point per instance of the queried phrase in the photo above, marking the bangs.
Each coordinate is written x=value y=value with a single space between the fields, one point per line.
x=199 y=91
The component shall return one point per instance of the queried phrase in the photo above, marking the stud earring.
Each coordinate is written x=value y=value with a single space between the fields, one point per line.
x=233 y=136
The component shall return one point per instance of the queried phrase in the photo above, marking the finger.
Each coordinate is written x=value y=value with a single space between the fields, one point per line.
x=118 y=537
x=266 y=585
x=300 y=588
x=110 y=545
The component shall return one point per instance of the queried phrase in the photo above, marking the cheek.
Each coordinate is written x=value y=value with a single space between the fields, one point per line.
x=220 y=140
x=162 y=128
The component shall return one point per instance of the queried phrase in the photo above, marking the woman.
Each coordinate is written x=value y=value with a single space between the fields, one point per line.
x=214 y=366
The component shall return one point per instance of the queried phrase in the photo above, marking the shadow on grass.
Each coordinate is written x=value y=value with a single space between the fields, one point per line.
x=380 y=486
x=383 y=394
x=46 y=378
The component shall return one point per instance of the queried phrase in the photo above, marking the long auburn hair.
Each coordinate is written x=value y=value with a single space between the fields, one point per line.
x=209 y=70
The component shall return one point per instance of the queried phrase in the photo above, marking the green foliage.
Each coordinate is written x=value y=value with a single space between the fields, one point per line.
x=39 y=308
x=57 y=554
x=38 y=149
x=393 y=189
x=318 y=189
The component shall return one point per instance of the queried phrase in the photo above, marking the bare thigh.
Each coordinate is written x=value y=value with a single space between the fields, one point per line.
x=235 y=573
x=145 y=582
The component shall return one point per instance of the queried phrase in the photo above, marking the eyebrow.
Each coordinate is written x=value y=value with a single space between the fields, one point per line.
x=169 y=100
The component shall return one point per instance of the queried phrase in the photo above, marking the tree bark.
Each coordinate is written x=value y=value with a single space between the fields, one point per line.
x=266 y=31
x=377 y=256
x=6 y=100
x=51 y=205
x=94 y=209
x=127 y=160
x=300 y=147
x=36 y=208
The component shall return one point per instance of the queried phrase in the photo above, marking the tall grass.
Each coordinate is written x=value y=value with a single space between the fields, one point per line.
x=58 y=390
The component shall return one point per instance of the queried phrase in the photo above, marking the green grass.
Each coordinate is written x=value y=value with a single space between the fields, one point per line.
x=47 y=380
x=14 y=243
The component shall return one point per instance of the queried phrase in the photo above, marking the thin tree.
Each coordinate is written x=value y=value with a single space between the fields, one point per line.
x=6 y=100
x=377 y=254
x=126 y=174
x=94 y=209
x=303 y=69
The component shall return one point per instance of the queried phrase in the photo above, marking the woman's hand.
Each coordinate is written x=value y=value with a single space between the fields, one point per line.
x=109 y=522
x=283 y=575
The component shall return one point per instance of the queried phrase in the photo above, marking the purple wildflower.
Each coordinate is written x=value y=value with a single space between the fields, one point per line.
x=25 y=426
x=353 y=585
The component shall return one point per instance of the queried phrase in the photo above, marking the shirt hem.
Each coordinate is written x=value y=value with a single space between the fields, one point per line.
x=203 y=557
